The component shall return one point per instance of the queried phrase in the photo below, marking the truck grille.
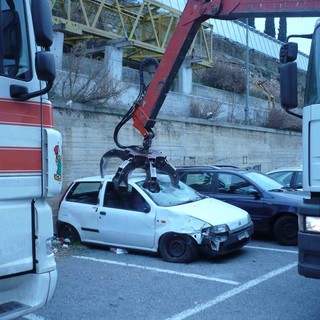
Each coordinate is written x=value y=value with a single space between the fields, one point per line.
x=11 y=306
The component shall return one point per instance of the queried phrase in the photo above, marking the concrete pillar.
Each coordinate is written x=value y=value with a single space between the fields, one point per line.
x=113 y=59
x=185 y=79
x=57 y=48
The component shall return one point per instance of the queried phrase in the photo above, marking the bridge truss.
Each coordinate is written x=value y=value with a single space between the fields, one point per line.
x=141 y=28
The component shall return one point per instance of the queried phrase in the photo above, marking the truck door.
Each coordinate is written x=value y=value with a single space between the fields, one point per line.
x=20 y=143
x=127 y=219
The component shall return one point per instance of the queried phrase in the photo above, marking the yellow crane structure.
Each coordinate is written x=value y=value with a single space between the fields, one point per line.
x=270 y=96
x=141 y=28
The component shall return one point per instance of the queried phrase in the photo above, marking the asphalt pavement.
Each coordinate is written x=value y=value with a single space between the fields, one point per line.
x=260 y=281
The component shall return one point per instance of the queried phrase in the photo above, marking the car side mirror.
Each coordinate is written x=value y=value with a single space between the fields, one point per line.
x=146 y=209
x=254 y=192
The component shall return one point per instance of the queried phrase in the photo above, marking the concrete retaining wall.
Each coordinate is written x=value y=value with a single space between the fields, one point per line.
x=88 y=134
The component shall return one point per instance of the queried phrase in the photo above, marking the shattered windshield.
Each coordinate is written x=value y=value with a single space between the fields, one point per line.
x=170 y=196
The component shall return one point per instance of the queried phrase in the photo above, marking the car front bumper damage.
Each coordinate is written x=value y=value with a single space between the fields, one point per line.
x=222 y=243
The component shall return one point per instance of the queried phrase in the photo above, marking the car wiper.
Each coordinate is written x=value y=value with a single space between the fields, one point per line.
x=185 y=202
x=287 y=188
x=276 y=190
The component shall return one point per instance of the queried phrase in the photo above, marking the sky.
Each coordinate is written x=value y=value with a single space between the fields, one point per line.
x=294 y=26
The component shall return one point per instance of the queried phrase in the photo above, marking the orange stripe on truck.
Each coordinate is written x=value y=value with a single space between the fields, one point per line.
x=25 y=113
x=26 y=160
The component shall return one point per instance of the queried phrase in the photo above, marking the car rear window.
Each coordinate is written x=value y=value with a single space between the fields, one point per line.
x=198 y=181
x=84 y=192
x=284 y=177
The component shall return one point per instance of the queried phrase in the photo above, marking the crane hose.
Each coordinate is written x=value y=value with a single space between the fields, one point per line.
x=143 y=88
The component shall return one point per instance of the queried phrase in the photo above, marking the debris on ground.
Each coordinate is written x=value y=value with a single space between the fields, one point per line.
x=118 y=251
x=65 y=247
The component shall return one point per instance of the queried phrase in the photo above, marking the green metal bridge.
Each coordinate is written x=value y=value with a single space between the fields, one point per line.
x=141 y=28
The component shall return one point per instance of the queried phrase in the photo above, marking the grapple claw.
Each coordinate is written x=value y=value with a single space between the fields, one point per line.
x=135 y=158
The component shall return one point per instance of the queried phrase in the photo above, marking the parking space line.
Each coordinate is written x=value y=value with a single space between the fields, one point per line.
x=222 y=297
x=272 y=249
x=182 y=274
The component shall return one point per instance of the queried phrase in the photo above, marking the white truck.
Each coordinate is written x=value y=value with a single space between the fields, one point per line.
x=30 y=157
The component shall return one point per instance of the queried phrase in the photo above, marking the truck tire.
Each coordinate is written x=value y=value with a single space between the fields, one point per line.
x=285 y=230
x=178 y=248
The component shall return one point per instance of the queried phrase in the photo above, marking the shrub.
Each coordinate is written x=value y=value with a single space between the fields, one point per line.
x=279 y=119
x=205 y=109
x=225 y=76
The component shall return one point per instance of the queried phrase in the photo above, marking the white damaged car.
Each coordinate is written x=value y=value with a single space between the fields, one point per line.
x=176 y=222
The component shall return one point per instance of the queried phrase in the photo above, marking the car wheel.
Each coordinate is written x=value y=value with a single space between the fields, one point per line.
x=68 y=231
x=177 y=248
x=285 y=230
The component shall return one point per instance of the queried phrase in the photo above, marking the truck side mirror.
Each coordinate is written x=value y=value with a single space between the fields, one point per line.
x=45 y=66
x=289 y=85
x=42 y=22
x=46 y=71
x=289 y=52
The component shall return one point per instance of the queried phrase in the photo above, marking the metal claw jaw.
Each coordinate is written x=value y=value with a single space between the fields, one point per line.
x=135 y=158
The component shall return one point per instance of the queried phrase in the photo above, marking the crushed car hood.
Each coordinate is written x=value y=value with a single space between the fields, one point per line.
x=215 y=212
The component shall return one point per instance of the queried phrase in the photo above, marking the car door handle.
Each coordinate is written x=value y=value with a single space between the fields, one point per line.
x=103 y=213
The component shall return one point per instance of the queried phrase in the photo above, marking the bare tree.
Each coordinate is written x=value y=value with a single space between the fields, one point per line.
x=85 y=80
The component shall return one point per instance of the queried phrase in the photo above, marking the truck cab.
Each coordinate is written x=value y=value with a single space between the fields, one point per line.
x=30 y=157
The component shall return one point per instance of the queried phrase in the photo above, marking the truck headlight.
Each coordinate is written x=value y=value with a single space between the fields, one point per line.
x=49 y=246
x=312 y=224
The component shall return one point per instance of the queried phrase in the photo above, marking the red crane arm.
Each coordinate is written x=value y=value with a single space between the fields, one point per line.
x=146 y=109
x=234 y=9
x=195 y=13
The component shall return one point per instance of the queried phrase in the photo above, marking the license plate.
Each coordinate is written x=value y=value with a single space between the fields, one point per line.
x=243 y=235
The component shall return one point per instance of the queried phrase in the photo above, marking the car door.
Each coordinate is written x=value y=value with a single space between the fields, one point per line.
x=240 y=192
x=127 y=219
x=81 y=206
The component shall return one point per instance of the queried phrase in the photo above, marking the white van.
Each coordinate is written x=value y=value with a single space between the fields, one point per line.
x=176 y=222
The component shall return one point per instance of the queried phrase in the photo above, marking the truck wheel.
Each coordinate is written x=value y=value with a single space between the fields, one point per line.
x=68 y=231
x=178 y=248
x=285 y=230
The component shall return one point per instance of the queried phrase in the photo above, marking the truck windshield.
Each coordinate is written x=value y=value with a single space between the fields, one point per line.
x=14 y=49
x=313 y=76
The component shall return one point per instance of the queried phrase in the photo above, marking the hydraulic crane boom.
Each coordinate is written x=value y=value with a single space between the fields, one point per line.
x=195 y=13
x=147 y=106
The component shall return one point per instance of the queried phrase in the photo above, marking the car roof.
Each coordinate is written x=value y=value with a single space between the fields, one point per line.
x=206 y=167
x=211 y=168
x=133 y=177
x=286 y=169
x=197 y=167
